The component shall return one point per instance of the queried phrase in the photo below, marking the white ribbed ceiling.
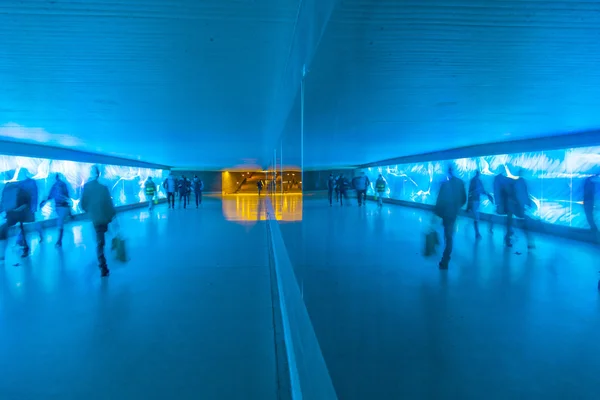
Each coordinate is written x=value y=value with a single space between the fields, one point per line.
x=198 y=82
x=177 y=82
x=394 y=78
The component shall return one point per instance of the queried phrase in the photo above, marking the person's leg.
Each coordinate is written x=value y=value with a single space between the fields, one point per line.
x=61 y=214
x=197 y=199
x=359 y=197
x=342 y=197
x=380 y=199
x=509 y=230
x=449 y=242
x=475 y=214
x=100 y=244
x=3 y=238
x=25 y=245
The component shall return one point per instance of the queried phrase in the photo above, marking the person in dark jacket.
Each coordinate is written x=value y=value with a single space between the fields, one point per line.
x=589 y=194
x=343 y=188
x=198 y=188
x=184 y=187
x=451 y=197
x=330 y=188
x=30 y=186
x=259 y=185
x=62 y=205
x=15 y=203
x=97 y=202
x=476 y=190
x=337 y=189
x=518 y=202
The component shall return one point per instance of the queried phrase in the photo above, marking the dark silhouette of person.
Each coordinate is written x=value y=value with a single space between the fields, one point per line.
x=330 y=188
x=451 y=198
x=97 y=203
x=589 y=198
x=476 y=190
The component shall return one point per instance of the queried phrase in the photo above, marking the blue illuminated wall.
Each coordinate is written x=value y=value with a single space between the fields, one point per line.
x=125 y=183
x=555 y=180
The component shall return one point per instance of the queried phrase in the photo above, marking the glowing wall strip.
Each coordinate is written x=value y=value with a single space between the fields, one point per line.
x=555 y=180
x=126 y=183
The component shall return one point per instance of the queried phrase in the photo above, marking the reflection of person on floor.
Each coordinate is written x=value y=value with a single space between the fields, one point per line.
x=361 y=184
x=170 y=184
x=150 y=189
x=97 y=203
x=198 y=188
x=16 y=204
x=380 y=188
x=184 y=186
x=259 y=186
x=343 y=188
x=62 y=205
x=451 y=198
x=330 y=188
x=589 y=194
x=476 y=190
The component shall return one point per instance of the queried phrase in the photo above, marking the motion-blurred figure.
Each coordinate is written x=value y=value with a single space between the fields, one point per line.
x=589 y=198
x=337 y=189
x=343 y=188
x=380 y=185
x=476 y=190
x=30 y=186
x=150 y=190
x=330 y=188
x=512 y=200
x=170 y=184
x=16 y=204
x=361 y=185
x=184 y=187
x=451 y=198
x=198 y=188
x=259 y=186
x=97 y=203
x=59 y=192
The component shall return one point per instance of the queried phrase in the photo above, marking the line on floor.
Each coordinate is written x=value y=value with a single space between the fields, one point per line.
x=309 y=377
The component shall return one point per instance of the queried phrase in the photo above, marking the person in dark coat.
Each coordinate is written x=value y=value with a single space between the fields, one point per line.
x=519 y=202
x=62 y=205
x=16 y=204
x=330 y=188
x=451 y=197
x=589 y=194
x=343 y=188
x=476 y=190
x=184 y=187
x=198 y=188
x=97 y=203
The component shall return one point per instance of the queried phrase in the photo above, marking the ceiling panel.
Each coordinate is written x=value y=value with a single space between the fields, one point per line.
x=394 y=78
x=177 y=82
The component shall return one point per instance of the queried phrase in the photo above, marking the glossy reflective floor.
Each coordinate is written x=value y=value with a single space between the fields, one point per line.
x=500 y=324
x=189 y=317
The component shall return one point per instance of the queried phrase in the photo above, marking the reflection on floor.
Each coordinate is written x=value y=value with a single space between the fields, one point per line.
x=250 y=207
x=189 y=317
x=499 y=324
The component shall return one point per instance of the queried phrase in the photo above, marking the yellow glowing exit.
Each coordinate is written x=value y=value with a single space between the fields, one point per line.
x=251 y=207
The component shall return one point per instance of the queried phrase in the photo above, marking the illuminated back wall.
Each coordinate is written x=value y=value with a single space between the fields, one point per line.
x=555 y=180
x=125 y=183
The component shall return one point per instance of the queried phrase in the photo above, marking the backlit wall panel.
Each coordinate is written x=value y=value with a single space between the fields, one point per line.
x=125 y=183
x=555 y=180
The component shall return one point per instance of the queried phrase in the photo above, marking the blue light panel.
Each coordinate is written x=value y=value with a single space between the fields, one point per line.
x=554 y=179
x=125 y=183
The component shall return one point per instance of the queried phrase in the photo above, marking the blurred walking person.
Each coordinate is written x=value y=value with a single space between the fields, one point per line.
x=59 y=193
x=16 y=204
x=198 y=188
x=451 y=198
x=184 y=187
x=330 y=188
x=97 y=203
x=476 y=190
x=380 y=185
x=150 y=190
x=361 y=184
x=170 y=185
x=589 y=198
